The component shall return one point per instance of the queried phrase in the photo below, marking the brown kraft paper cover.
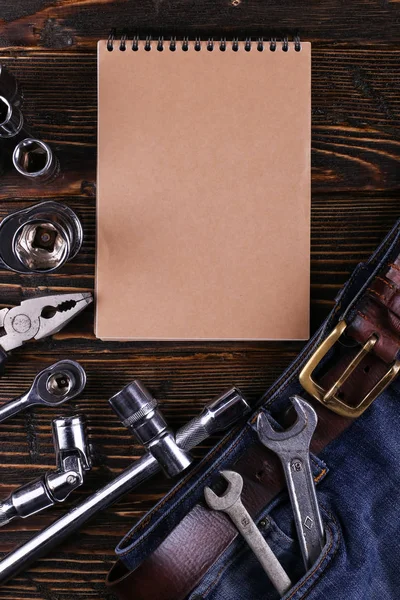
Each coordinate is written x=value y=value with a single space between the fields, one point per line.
x=203 y=194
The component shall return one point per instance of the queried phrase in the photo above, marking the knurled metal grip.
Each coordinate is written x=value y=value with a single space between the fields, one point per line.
x=137 y=410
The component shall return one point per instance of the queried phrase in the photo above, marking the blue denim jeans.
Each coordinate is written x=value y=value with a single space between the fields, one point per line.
x=358 y=487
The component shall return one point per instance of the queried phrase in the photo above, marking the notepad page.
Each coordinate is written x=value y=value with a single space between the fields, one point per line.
x=203 y=194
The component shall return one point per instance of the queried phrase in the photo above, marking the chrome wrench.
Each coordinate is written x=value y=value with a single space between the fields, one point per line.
x=231 y=504
x=293 y=449
x=58 y=383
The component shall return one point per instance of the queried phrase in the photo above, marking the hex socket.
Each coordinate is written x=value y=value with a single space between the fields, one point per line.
x=39 y=239
x=11 y=119
x=35 y=160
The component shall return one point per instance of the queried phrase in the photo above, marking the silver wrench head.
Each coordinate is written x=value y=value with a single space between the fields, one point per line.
x=302 y=429
x=231 y=495
x=57 y=384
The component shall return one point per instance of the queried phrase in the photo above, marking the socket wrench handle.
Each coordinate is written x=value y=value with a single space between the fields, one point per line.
x=218 y=415
x=140 y=471
x=53 y=386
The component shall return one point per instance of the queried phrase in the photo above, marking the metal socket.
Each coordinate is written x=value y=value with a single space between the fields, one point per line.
x=35 y=160
x=39 y=239
x=138 y=411
x=69 y=434
x=11 y=119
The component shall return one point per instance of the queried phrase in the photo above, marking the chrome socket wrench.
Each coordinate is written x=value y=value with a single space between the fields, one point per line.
x=220 y=414
x=53 y=386
x=73 y=460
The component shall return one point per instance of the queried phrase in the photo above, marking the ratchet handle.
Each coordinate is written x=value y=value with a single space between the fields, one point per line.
x=12 y=407
x=3 y=360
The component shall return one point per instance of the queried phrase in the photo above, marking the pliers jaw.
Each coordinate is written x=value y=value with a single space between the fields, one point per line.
x=37 y=318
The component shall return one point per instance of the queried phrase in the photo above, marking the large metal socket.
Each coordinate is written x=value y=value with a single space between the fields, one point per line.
x=39 y=239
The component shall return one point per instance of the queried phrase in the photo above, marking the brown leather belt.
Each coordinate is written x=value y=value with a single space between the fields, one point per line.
x=183 y=558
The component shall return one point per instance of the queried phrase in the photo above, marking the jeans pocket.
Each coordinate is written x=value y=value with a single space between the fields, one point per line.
x=237 y=575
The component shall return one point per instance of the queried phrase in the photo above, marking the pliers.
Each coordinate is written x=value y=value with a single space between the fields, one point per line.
x=38 y=318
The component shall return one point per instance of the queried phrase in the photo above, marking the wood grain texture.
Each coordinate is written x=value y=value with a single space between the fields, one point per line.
x=80 y=23
x=50 y=46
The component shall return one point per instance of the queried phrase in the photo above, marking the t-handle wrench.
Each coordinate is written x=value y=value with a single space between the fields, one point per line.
x=230 y=503
x=293 y=448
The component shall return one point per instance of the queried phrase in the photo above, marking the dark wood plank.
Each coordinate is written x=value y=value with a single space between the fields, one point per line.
x=80 y=23
x=50 y=46
x=356 y=107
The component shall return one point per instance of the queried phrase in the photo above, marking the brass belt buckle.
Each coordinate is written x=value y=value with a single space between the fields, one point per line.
x=329 y=397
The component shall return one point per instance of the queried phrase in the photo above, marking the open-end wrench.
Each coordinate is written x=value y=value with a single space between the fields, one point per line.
x=231 y=504
x=293 y=448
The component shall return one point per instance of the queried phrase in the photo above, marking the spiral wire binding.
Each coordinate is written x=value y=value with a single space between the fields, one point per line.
x=159 y=44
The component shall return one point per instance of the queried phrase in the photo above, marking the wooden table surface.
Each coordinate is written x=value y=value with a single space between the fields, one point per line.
x=50 y=45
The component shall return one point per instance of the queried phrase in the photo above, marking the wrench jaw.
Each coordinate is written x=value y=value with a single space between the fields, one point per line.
x=231 y=495
x=309 y=415
x=302 y=429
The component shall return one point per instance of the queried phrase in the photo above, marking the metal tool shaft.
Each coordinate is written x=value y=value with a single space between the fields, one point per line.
x=142 y=469
x=231 y=504
x=13 y=407
x=261 y=549
x=303 y=497
x=58 y=531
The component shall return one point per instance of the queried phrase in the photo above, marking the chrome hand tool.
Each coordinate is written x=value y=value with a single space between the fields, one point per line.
x=53 y=386
x=293 y=449
x=35 y=160
x=39 y=239
x=138 y=410
x=73 y=460
x=231 y=504
x=38 y=318
x=11 y=119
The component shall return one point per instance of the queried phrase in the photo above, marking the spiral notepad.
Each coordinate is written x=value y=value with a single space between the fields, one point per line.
x=203 y=189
